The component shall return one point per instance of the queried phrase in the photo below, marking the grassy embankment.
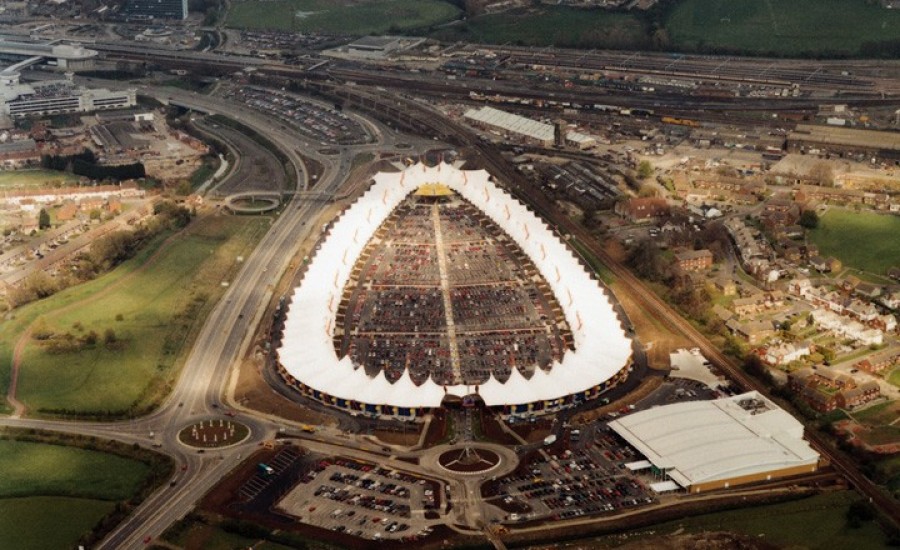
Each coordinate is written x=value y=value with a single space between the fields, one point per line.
x=353 y=18
x=154 y=304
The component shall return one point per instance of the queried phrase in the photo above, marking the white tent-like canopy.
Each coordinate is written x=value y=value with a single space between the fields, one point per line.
x=601 y=347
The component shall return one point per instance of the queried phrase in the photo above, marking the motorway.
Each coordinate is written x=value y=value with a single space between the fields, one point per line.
x=223 y=338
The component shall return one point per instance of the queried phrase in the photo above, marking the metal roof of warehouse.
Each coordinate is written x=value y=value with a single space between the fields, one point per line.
x=848 y=137
x=704 y=441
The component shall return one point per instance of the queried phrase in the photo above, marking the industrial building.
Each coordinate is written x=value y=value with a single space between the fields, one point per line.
x=157 y=9
x=525 y=129
x=841 y=141
x=57 y=96
x=708 y=445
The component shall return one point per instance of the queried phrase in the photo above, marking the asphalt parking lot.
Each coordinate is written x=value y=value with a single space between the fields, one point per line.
x=311 y=119
x=364 y=501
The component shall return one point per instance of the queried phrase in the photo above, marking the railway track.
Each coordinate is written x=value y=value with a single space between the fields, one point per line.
x=654 y=305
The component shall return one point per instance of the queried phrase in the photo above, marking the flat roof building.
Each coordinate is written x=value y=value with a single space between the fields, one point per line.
x=157 y=9
x=58 y=96
x=831 y=139
x=708 y=445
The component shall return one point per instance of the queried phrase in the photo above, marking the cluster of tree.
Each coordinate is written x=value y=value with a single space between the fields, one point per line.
x=648 y=262
x=85 y=164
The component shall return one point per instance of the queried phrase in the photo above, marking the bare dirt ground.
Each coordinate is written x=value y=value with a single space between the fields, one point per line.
x=706 y=540
x=253 y=392
x=656 y=337
x=647 y=386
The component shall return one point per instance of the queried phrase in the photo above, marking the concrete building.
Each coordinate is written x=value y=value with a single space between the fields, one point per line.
x=20 y=54
x=57 y=96
x=708 y=445
x=157 y=9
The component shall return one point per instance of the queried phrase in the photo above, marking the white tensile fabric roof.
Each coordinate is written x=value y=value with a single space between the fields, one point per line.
x=703 y=441
x=307 y=353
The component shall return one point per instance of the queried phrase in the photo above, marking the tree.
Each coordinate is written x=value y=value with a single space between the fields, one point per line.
x=183 y=189
x=823 y=174
x=809 y=219
x=43 y=219
x=647 y=261
x=645 y=169
x=859 y=512
x=90 y=339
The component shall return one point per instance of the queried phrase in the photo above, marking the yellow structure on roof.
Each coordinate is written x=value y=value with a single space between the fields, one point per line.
x=433 y=190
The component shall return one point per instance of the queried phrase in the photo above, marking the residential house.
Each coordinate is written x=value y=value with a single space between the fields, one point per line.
x=879 y=362
x=784 y=353
x=825 y=265
x=820 y=401
x=860 y=395
x=642 y=209
x=847 y=328
x=754 y=332
x=694 y=260
x=833 y=378
x=726 y=287
x=868 y=290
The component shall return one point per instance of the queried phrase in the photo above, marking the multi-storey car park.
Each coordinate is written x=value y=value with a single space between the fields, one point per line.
x=436 y=284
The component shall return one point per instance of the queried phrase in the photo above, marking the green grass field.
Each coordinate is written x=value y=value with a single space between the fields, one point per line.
x=781 y=27
x=153 y=313
x=25 y=179
x=340 y=17
x=841 y=231
x=51 y=494
x=38 y=523
x=817 y=522
x=894 y=377
x=33 y=469
x=544 y=26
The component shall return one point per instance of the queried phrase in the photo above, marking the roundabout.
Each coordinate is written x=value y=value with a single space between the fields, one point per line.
x=213 y=433
x=470 y=460
x=253 y=202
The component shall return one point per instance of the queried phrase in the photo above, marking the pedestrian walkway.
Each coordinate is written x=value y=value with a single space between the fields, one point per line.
x=445 y=293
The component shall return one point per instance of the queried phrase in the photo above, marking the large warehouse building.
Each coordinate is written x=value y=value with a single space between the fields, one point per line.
x=833 y=140
x=707 y=445
x=345 y=356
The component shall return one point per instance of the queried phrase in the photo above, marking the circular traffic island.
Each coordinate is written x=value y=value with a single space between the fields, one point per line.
x=250 y=202
x=213 y=433
x=469 y=460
